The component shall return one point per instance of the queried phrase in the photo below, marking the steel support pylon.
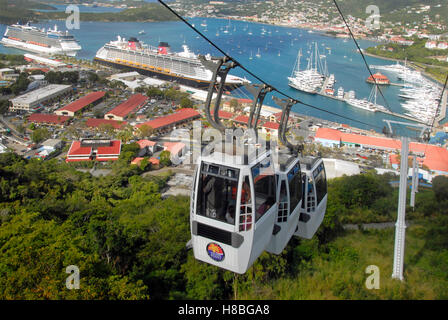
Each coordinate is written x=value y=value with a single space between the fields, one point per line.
x=400 y=226
x=414 y=180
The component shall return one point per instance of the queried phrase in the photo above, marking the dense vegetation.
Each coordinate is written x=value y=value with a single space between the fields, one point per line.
x=58 y=77
x=130 y=244
x=13 y=11
x=148 y=12
x=11 y=60
x=19 y=10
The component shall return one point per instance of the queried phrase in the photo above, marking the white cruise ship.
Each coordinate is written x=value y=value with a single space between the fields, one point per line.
x=366 y=104
x=159 y=62
x=48 y=42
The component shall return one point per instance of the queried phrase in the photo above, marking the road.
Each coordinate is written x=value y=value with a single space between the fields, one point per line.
x=373 y=226
x=159 y=172
x=14 y=132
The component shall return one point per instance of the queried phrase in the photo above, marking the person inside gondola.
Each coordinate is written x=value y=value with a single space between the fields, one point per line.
x=265 y=207
x=230 y=215
x=212 y=191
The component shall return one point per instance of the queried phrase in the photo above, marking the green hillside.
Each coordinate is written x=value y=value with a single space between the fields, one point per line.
x=129 y=243
x=12 y=12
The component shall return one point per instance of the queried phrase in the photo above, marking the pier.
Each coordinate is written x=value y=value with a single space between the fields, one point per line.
x=403 y=116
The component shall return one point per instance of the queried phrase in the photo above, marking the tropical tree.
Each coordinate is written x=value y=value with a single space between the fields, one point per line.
x=40 y=135
x=165 y=158
x=145 y=131
x=126 y=133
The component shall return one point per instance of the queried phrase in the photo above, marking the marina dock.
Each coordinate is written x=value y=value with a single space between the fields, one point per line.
x=403 y=116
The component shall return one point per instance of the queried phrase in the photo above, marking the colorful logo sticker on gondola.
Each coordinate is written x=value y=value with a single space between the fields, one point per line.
x=215 y=252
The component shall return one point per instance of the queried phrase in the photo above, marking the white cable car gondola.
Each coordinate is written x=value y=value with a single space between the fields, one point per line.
x=241 y=205
x=233 y=211
x=314 y=197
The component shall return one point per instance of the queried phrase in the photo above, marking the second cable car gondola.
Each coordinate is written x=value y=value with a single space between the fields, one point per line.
x=289 y=201
x=314 y=203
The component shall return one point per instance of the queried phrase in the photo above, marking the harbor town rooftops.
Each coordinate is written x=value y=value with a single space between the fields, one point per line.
x=436 y=158
x=95 y=123
x=181 y=115
x=127 y=107
x=81 y=103
x=48 y=118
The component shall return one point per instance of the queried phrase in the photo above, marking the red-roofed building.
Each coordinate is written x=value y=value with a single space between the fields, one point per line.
x=131 y=105
x=394 y=160
x=170 y=121
x=153 y=161
x=379 y=78
x=175 y=148
x=276 y=117
x=244 y=120
x=100 y=150
x=436 y=158
x=270 y=127
x=137 y=161
x=81 y=103
x=225 y=115
x=96 y=123
x=51 y=119
x=147 y=146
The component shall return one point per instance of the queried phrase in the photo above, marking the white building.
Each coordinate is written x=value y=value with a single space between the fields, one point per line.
x=2 y=148
x=442 y=45
x=33 y=100
x=52 y=144
x=431 y=45
x=336 y=168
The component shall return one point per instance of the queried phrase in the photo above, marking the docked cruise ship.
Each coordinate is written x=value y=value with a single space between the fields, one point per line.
x=159 y=62
x=48 y=42
x=366 y=104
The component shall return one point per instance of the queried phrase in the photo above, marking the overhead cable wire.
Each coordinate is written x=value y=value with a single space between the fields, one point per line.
x=360 y=51
x=437 y=110
x=440 y=103
x=257 y=77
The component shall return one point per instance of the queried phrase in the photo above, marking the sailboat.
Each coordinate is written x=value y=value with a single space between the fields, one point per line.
x=258 y=55
x=227 y=27
x=250 y=58
x=310 y=80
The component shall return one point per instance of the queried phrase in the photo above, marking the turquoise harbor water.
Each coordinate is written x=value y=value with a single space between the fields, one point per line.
x=278 y=48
